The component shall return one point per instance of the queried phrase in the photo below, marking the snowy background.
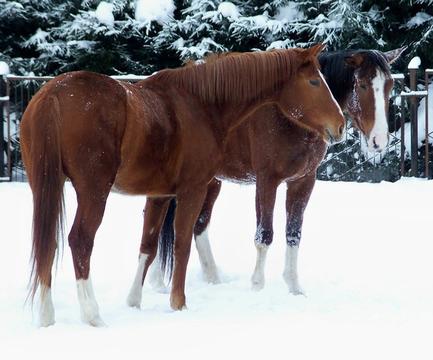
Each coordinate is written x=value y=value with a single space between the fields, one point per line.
x=47 y=37
x=365 y=258
x=365 y=264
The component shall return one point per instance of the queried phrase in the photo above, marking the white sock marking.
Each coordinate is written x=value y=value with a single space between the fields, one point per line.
x=46 y=307
x=290 y=274
x=134 y=297
x=258 y=278
x=88 y=305
x=156 y=277
x=206 y=258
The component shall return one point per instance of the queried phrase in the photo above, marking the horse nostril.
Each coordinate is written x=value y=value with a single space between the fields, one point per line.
x=340 y=130
x=375 y=146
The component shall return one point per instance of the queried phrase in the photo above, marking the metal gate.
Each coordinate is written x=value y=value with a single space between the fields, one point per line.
x=349 y=161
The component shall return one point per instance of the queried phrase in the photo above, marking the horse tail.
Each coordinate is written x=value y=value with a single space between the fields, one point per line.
x=40 y=138
x=166 y=241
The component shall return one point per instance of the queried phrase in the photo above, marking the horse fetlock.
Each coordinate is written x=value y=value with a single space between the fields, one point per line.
x=46 y=309
x=293 y=238
x=257 y=281
x=293 y=283
x=134 y=298
x=263 y=237
x=211 y=275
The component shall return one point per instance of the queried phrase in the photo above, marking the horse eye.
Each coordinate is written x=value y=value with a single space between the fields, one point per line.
x=315 y=82
x=363 y=86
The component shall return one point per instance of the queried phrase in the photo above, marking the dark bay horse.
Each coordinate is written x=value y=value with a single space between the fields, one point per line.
x=268 y=150
x=163 y=136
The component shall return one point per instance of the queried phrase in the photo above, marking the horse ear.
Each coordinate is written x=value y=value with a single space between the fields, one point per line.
x=354 y=60
x=392 y=55
x=315 y=50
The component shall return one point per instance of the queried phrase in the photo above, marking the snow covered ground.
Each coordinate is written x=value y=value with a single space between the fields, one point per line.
x=365 y=264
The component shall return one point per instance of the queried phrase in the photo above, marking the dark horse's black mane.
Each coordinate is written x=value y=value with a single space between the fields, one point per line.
x=339 y=75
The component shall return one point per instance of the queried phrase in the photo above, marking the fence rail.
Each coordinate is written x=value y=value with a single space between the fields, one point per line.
x=342 y=162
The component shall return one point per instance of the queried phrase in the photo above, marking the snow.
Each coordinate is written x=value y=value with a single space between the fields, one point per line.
x=228 y=9
x=419 y=19
x=414 y=63
x=160 y=11
x=290 y=13
x=364 y=262
x=4 y=68
x=104 y=13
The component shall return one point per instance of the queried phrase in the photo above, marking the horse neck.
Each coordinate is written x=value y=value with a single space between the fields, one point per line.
x=233 y=115
x=338 y=75
x=225 y=116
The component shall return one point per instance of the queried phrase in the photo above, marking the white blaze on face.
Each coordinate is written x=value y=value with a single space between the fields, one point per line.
x=378 y=138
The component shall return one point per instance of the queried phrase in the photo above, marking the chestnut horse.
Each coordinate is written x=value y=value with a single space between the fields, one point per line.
x=268 y=150
x=163 y=136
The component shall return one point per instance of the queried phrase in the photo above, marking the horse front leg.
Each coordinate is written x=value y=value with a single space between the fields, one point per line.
x=189 y=204
x=266 y=189
x=297 y=196
x=201 y=233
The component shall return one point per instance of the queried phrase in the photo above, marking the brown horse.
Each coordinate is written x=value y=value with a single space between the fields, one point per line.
x=163 y=136
x=268 y=150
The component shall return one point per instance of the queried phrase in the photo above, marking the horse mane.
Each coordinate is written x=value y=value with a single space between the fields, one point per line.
x=340 y=76
x=234 y=77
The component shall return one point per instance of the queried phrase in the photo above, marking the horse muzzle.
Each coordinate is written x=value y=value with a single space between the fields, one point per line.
x=377 y=142
x=333 y=136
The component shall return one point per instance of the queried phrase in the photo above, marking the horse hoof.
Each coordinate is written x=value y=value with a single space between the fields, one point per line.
x=46 y=317
x=96 y=322
x=46 y=322
x=133 y=301
x=212 y=279
x=178 y=304
x=257 y=285
x=297 y=291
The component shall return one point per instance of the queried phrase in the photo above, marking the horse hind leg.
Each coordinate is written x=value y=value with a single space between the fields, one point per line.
x=298 y=194
x=154 y=214
x=201 y=237
x=90 y=210
x=266 y=189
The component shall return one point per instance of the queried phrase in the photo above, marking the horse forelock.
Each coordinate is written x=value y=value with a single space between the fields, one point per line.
x=235 y=77
x=375 y=59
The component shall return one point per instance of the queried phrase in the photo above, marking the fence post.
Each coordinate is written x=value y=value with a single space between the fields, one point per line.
x=2 y=137
x=413 y=68
x=428 y=72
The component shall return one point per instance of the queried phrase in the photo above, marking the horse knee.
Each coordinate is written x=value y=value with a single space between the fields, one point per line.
x=293 y=237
